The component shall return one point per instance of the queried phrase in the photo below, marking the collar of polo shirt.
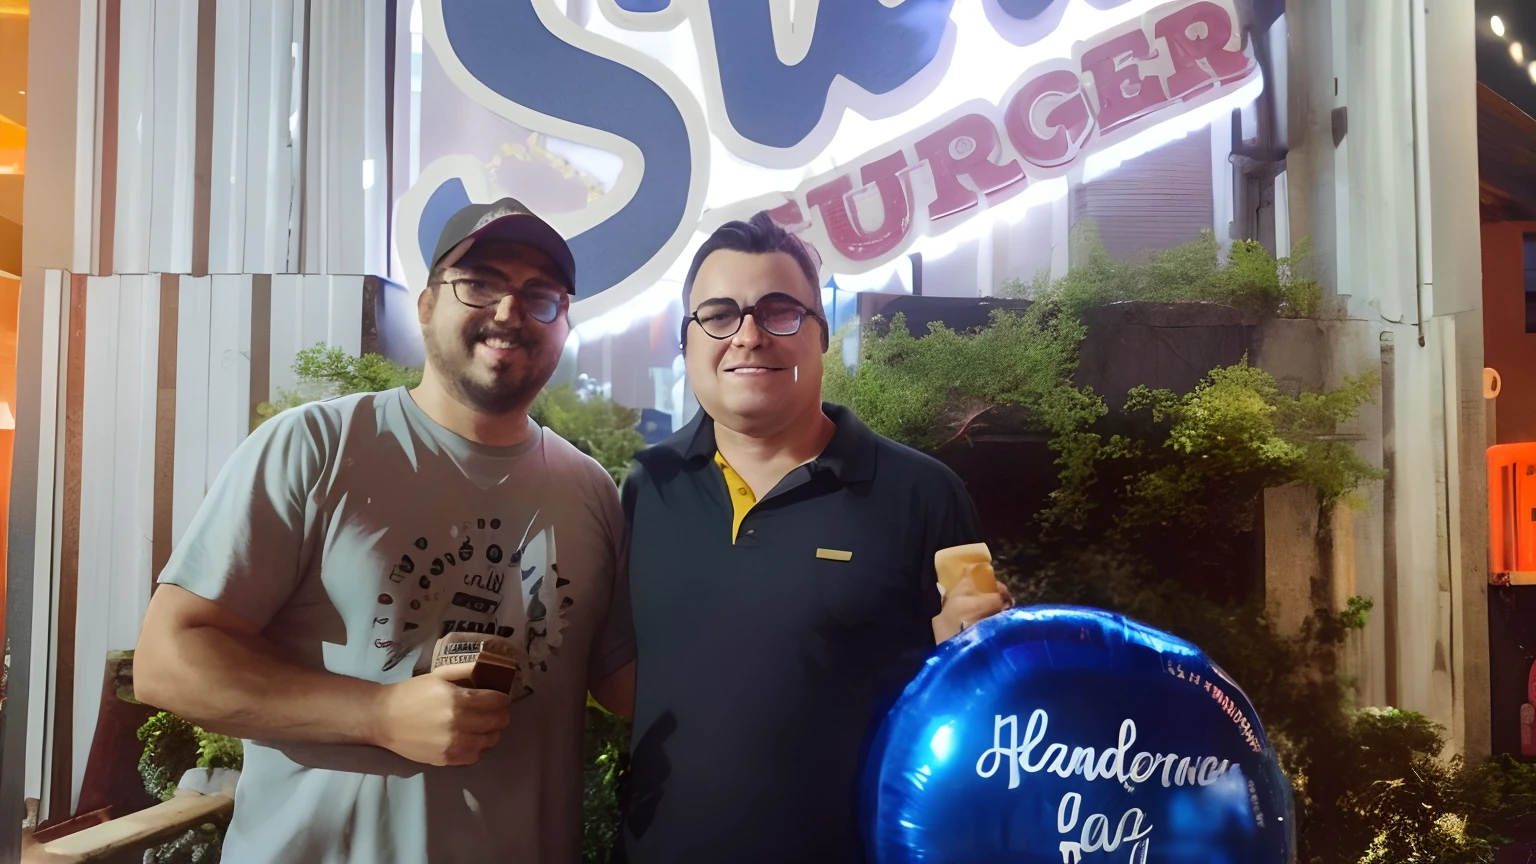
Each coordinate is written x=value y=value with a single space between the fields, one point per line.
x=849 y=456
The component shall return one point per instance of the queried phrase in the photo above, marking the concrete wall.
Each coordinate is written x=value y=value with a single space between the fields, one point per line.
x=1378 y=92
x=1509 y=349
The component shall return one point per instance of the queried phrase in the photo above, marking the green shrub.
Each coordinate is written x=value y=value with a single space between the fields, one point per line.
x=600 y=428
x=1250 y=279
x=172 y=747
x=606 y=756
x=325 y=372
x=1203 y=458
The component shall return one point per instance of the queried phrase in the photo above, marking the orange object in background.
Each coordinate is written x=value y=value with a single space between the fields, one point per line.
x=1512 y=513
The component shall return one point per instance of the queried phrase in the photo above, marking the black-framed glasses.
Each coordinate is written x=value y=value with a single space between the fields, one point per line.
x=541 y=302
x=777 y=314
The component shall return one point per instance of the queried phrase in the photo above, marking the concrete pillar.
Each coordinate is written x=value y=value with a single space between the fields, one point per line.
x=1455 y=299
x=1396 y=248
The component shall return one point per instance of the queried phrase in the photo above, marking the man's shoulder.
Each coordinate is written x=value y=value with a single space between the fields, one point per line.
x=567 y=462
x=326 y=417
x=906 y=465
x=661 y=459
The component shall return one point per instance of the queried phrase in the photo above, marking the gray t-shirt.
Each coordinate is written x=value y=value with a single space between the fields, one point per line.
x=355 y=532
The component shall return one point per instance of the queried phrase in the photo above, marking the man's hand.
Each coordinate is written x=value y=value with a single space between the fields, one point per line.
x=964 y=606
x=432 y=720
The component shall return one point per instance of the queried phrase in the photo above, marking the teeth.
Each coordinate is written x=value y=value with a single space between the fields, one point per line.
x=500 y=344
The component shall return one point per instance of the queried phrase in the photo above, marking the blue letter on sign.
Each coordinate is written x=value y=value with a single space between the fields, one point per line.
x=875 y=47
x=507 y=48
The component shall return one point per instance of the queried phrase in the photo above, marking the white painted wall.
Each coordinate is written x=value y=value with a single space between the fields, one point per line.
x=282 y=201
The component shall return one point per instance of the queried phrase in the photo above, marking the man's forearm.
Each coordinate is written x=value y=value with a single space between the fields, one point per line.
x=238 y=685
x=616 y=692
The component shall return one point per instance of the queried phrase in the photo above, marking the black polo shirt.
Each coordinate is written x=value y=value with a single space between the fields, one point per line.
x=765 y=665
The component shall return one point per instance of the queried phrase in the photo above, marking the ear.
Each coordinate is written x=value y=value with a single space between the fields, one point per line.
x=426 y=301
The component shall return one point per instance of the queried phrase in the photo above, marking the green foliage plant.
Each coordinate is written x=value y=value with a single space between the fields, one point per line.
x=931 y=391
x=600 y=428
x=1212 y=451
x=172 y=747
x=325 y=372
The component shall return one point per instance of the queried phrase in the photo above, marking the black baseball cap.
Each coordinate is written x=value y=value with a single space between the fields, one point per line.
x=506 y=219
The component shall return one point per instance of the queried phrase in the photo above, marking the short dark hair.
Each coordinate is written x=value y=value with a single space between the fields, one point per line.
x=759 y=235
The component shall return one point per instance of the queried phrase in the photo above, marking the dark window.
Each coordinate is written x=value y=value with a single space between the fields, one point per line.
x=1530 y=283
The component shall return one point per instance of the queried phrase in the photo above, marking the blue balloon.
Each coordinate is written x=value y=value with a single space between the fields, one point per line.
x=1074 y=736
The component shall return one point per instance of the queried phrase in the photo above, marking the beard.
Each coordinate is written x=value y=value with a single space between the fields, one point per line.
x=507 y=389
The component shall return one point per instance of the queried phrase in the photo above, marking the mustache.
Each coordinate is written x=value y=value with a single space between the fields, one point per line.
x=513 y=339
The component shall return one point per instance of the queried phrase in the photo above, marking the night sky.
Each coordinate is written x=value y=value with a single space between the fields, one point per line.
x=1495 y=66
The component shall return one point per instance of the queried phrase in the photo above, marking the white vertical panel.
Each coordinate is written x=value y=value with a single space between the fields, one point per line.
x=243 y=373
x=87 y=145
x=97 y=479
x=1282 y=216
x=287 y=313
x=229 y=370
x=134 y=510
x=298 y=23
x=1061 y=236
x=376 y=203
x=135 y=137
x=345 y=185
x=263 y=120
x=231 y=132
x=50 y=478
x=315 y=311
x=346 y=314
x=175 y=123
x=272 y=119
x=194 y=308
x=1221 y=181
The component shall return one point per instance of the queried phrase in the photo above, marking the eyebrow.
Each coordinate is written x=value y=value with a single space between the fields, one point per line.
x=543 y=279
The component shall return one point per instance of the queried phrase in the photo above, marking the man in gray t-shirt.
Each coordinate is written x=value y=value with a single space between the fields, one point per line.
x=345 y=537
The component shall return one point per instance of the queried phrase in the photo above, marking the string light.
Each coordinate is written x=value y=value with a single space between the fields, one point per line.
x=1516 y=49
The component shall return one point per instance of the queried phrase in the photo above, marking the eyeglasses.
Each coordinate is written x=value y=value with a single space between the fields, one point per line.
x=778 y=314
x=540 y=302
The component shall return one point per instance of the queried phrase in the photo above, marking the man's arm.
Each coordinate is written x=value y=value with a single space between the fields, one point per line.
x=200 y=652
x=200 y=661
x=616 y=692
x=208 y=665
x=956 y=524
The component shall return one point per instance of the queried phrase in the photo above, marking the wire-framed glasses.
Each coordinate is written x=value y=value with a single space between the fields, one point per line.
x=778 y=314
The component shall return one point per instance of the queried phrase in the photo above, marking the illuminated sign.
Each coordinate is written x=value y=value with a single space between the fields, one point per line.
x=888 y=121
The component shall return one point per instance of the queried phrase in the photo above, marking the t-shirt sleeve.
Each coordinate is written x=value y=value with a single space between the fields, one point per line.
x=615 y=643
x=246 y=545
x=952 y=522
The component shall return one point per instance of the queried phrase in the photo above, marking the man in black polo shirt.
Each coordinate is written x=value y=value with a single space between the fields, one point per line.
x=783 y=585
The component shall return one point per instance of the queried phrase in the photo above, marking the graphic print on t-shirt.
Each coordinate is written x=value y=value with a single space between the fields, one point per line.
x=489 y=577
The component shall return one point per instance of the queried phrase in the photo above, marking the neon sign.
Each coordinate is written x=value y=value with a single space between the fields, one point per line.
x=711 y=118
x=1053 y=117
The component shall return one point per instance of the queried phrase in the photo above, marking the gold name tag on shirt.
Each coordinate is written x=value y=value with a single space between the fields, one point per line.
x=834 y=555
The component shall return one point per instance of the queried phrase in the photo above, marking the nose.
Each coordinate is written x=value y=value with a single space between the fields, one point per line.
x=506 y=311
x=749 y=335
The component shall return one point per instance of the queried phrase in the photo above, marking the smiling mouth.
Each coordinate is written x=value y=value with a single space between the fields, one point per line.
x=754 y=370
x=497 y=343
